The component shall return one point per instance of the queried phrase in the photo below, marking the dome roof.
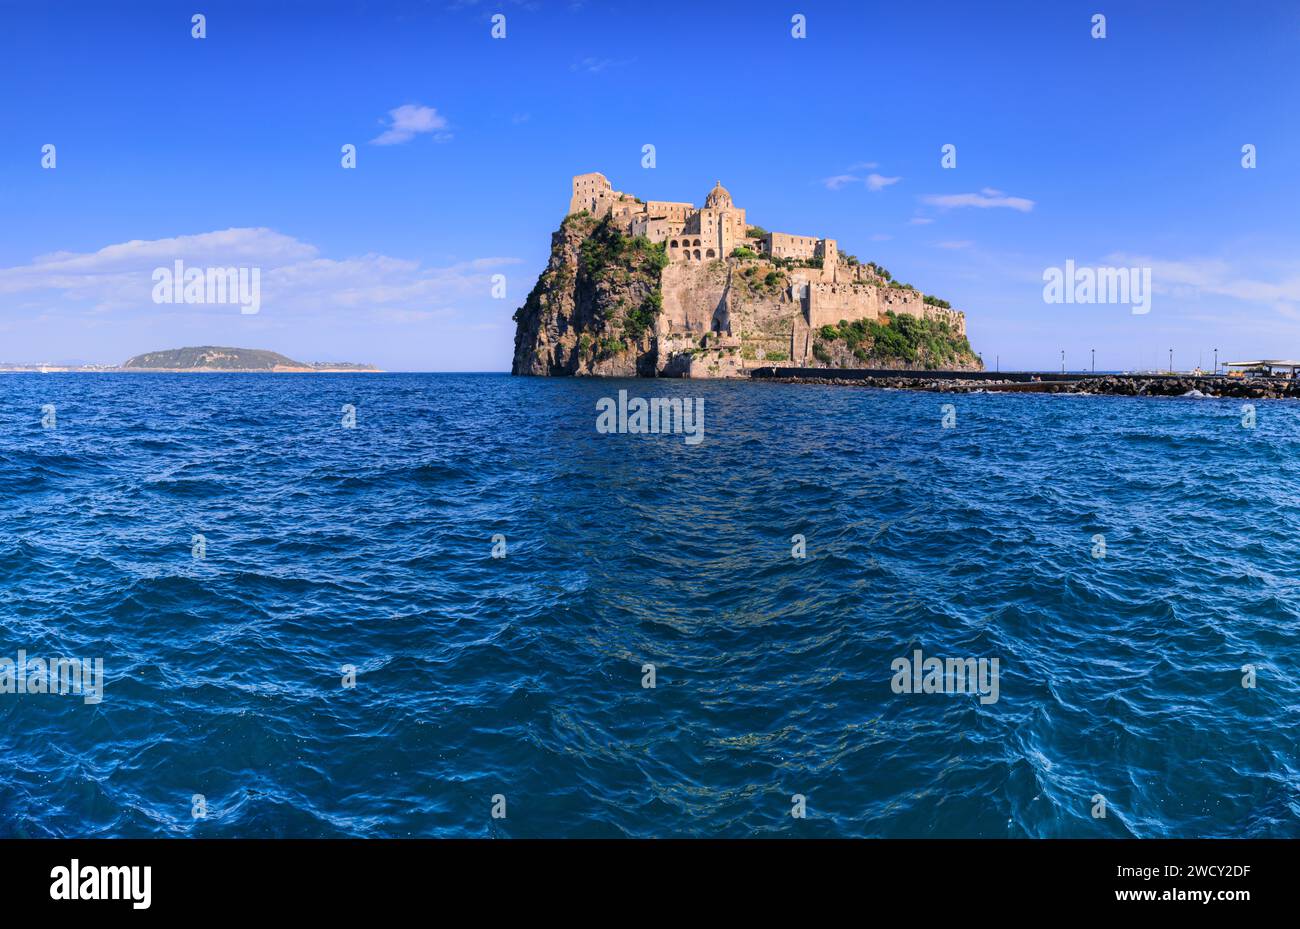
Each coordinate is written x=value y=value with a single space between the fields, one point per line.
x=719 y=197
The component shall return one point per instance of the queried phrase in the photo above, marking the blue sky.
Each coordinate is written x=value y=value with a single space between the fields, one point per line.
x=1124 y=150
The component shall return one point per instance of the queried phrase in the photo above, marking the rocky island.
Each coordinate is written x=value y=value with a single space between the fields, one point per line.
x=662 y=289
x=212 y=358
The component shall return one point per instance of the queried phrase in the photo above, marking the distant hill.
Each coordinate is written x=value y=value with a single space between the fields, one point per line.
x=220 y=358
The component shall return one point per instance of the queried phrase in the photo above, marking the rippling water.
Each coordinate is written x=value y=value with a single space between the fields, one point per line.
x=522 y=676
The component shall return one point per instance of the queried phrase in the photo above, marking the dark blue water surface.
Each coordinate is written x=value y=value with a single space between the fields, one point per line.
x=522 y=676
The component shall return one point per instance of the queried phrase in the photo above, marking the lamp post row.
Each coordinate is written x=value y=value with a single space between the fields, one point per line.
x=1093 y=352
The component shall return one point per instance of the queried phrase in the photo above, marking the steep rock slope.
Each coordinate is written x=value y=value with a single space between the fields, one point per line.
x=594 y=308
x=612 y=305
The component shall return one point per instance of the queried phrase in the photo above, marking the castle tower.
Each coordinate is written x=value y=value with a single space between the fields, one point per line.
x=591 y=192
x=829 y=253
x=722 y=221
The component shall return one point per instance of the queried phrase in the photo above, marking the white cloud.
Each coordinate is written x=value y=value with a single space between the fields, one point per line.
x=408 y=121
x=985 y=199
x=592 y=65
x=296 y=281
x=920 y=221
x=874 y=182
x=1217 y=277
x=839 y=180
x=964 y=243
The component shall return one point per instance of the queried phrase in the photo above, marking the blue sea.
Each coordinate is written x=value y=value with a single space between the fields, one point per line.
x=516 y=684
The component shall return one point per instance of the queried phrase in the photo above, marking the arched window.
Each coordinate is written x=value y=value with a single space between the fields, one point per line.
x=697 y=242
x=697 y=254
x=709 y=254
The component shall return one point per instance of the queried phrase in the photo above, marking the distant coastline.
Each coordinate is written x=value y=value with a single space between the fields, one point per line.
x=203 y=359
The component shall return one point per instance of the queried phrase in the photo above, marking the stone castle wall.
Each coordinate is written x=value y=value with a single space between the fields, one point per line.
x=829 y=303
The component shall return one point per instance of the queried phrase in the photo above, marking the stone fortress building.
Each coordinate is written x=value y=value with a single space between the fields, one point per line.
x=698 y=297
x=691 y=235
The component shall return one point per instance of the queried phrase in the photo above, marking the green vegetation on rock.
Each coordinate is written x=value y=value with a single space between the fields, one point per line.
x=608 y=255
x=756 y=282
x=933 y=343
x=607 y=251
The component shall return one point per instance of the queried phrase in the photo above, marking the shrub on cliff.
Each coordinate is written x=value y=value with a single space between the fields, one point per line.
x=902 y=337
x=606 y=249
x=638 y=320
x=606 y=253
x=656 y=252
x=741 y=252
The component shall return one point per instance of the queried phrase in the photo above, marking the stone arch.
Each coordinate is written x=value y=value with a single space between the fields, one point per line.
x=696 y=242
x=697 y=255
x=674 y=245
x=710 y=254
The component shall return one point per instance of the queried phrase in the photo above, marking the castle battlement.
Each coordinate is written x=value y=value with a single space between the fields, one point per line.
x=711 y=232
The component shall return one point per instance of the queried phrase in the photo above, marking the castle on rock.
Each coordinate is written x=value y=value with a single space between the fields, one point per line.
x=711 y=232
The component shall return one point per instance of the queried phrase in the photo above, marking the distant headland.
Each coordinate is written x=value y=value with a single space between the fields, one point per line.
x=208 y=359
x=659 y=288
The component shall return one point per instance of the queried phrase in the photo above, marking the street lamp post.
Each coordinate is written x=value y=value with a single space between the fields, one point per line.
x=1062 y=361
x=1171 y=361
x=1216 y=362
x=1094 y=361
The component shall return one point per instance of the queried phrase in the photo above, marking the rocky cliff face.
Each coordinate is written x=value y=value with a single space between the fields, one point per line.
x=594 y=308
x=611 y=305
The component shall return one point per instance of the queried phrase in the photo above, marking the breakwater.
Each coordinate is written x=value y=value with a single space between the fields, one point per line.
x=1122 y=385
